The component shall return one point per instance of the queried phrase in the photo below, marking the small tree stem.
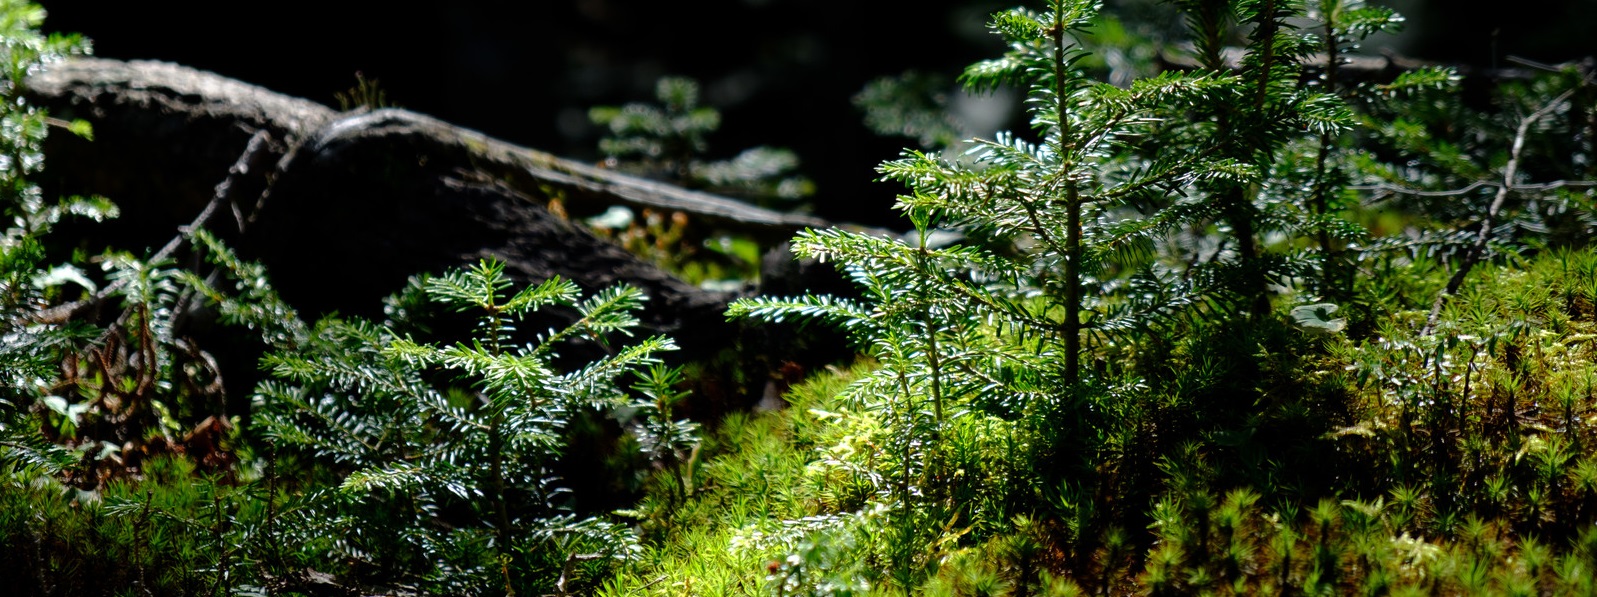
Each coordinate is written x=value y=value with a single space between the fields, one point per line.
x=1073 y=252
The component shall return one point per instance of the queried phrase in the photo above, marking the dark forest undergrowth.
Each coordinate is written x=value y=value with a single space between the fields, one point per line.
x=1250 y=322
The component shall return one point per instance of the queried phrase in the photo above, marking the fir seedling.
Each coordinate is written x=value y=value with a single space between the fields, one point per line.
x=996 y=330
x=445 y=450
x=669 y=141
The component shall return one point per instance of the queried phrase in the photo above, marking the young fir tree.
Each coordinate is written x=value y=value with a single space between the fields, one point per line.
x=1343 y=24
x=1255 y=122
x=995 y=330
x=446 y=452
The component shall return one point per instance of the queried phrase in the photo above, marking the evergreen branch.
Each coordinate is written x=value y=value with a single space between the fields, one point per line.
x=963 y=192
x=32 y=451
x=607 y=369
x=1124 y=233
x=1323 y=113
x=1127 y=319
x=988 y=75
x=398 y=477
x=842 y=311
x=1014 y=310
x=608 y=311
x=534 y=432
x=461 y=419
x=554 y=291
x=1041 y=231
x=295 y=434
x=475 y=288
x=497 y=372
x=342 y=374
x=1185 y=170
x=258 y=305
x=354 y=448
x=1425 y=239
x=845 y=246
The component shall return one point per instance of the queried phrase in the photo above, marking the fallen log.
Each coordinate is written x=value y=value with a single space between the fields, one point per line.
x=173 y=101
x=343 y=207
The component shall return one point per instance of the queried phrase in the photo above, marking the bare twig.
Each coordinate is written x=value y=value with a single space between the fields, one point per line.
x=1181 y=56
x=1476 y=251
x=224 y=190
x=565 y=572
x=1384 y=190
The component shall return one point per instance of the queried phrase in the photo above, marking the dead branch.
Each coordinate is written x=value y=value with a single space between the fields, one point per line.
x=1478 y=250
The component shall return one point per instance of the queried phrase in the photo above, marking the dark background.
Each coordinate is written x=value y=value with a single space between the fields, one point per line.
x=782 y=72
